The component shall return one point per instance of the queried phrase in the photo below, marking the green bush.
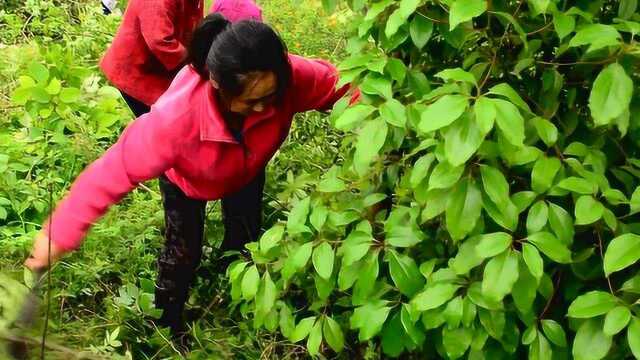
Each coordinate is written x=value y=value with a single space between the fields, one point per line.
x=486 y=205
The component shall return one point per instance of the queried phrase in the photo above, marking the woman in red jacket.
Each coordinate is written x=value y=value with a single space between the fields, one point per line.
x=209 y=135
x=149 y=48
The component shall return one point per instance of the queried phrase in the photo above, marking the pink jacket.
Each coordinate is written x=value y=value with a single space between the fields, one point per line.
x=185 y=137
x=236 y=10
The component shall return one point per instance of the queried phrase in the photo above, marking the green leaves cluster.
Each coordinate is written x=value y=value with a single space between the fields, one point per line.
x=485 y=205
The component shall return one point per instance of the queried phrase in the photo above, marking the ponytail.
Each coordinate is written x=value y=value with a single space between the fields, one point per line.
x=203 y=36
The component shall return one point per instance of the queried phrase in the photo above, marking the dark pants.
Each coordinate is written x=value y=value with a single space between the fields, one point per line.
x=184 y=221
x=137 y=107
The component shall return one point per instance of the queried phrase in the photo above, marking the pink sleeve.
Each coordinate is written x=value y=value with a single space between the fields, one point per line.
x=157 y=26
x=314 y=83
x=144 y=151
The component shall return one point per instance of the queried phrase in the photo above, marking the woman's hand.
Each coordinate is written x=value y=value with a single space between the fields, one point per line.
x=41 y=253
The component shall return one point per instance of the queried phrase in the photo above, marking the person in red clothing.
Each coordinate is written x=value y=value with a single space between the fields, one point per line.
x=149 y=48
x=209 y=135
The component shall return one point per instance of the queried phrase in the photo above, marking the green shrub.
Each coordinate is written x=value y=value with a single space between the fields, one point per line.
x=486 y=205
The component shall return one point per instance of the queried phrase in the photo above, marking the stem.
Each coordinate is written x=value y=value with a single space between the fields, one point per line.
x=553 y=295
x=602 y=257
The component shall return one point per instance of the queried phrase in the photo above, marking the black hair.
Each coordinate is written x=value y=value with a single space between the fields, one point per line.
x=226 y=52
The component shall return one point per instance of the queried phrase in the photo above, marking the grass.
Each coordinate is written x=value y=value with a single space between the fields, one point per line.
x=87 y=303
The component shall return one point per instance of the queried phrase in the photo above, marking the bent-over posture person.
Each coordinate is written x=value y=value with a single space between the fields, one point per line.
x=208 y=136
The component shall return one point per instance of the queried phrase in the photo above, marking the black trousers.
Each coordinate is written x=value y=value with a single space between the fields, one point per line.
x=184 y=231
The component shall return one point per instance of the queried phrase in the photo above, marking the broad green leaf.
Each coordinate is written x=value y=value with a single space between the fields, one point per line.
x=456 y=341
x=457 y=74
x=467 y=257
x=408 y=320
x=444 y=176
x=420 y=30
x=330 y=183
x=588 y=210
x=539 y=6
x=287 y=322
x=504 y=89
x=633 y=337
x=611 y=94
x=463 y=209
x=509 y=121
x=38 y=72
x=524 y=290
x=622 y=252
x=461 y=140
x=69 y=95
x=493 y=244
x=523 y=199
x=627 y=9
x=544 y=171
x=554 y=332
x=420 y=169
x=500 y=274
x=354 y=247
x=596 y=36
x=537 y=217
x=397 y=69
x=540 y=349
x=453 y=312
x=475 y=294
x=434 y=296
x=634 y=203
x=54 y=87
x=590 y=342
x=374 y=84
x=495 y=184
x=546 y=130
x=333 y=334
x=592 y=304
x=400 y=16
x=271 y=238
x=405 y=273
x=532 y=258
x=319 y=216
x=297 y=260
x=369 y=319
x=303 y=328
x=394 y=113
x=485 y=114
x=436 y=203
x=323 y=260
x=250 y=283
x=561 y=223
x=315 y=338
x=370 y=140
x=353 y=115
x=506 y=215
x=563 y=24
x=443 y=112
x=616 y=320
x=393 y=337
x=551 y=246
x=266 y=297
x=465 y=10
x=298 y=217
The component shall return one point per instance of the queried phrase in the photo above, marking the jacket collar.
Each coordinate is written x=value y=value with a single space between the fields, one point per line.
x=212 y=124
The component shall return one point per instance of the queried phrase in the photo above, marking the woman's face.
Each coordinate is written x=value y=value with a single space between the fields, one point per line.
x=258 y=93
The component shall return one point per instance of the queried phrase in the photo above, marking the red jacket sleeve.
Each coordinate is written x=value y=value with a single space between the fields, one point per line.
x=157 y=25
x=314 y=85
x=144 y=151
